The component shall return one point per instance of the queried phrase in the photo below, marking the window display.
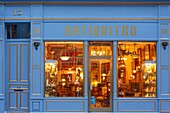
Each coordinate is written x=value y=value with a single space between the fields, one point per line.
x=136 y=69
x=149 y=76
x=64 y=69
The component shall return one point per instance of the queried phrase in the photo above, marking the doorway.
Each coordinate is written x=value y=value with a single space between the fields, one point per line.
x=17 y=76
x=100 y=76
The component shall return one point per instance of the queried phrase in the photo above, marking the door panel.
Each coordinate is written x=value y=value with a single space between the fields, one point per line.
x=24 y=61
x=13 y=62
x=24 y=100
x=13 y=100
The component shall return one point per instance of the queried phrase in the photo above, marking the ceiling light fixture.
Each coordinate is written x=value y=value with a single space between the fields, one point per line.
x=64 y=57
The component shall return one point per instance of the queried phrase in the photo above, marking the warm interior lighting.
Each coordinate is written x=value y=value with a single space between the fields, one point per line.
x=63 y=80
x=135 y=55
x=122 y=58
x=64 y=57
x=123 y=64
x=81 y=75
x=104 y=74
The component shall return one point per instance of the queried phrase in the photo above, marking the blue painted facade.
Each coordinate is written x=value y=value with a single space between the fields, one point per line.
x=21 y=66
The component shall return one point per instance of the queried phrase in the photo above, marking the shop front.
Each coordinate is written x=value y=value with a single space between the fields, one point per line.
x=84 y=57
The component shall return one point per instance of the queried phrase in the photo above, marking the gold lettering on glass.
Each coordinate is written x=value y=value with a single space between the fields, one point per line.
x=133 y=30
x=68 y=31
x=96 y=30
x=104 y=29
x=125 y=30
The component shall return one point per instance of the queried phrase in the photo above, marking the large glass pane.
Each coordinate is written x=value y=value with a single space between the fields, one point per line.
x=136 y=69
x=64 y=69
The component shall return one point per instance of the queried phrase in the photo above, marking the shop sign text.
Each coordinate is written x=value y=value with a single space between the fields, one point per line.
x=100 y=30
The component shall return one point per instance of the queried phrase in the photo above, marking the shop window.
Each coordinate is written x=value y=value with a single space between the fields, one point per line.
x=64 y=69
x=18 y=31
x=136 y=69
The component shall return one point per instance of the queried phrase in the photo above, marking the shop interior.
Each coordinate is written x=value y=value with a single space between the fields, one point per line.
x=136 y=69
x=64 y=69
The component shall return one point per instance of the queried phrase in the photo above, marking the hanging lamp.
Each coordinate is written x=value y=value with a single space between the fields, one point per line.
x=64 y=57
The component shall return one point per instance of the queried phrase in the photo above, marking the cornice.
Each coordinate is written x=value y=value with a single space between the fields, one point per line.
x=84 y=18
x=91 y=3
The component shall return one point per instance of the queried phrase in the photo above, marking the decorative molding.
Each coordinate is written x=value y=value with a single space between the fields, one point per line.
x=2 y=74
x=36 y=94
x=164 y=67
x=85 y=18
x=24 y=108
x=161 y=110
x=9 y=62
x=13 y=107
x=91 y=3
x=34 y=67
x=21 y=63
x=35 y=105
x=163 y=30
x=65 y=109
x=19 y=85
x=168 y=94
x=36 y=31
x=154 y=102
x=2 y=31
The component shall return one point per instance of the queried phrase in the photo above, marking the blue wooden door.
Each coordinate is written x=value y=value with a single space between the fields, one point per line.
x=18 y=76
